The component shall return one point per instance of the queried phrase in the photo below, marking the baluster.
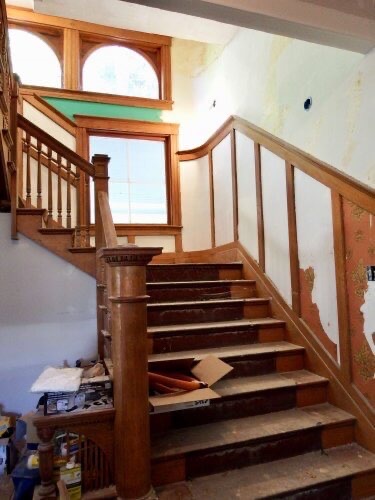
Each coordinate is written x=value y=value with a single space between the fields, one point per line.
x=59 y=195
x=45 y=448
x=87 y=209
x=78 y=242
x=39 y=175
x=50 y=194
x=68 y=196
x=28 y=176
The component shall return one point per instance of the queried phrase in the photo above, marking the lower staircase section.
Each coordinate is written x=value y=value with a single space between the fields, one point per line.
x=273 y=433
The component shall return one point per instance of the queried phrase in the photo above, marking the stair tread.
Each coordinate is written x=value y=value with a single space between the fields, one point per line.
x=216 y=325
x=190 y=303
x=230 y=351
x=161 y=284
x=287 y=475
x=193 y=265
x=229 y=432
x=230 y=387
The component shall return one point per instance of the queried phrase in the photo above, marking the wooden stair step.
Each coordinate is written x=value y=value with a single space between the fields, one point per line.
x=194 y=271
x=198 y=311
x=167 y=338
x=341 y=473
x=248 y=396
x=201 y=290
x=251 y=359
x=240 y=442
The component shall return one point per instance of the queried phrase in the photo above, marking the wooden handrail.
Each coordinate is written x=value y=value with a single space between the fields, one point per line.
x=344 y=184
x=109 y=229
x=56 y=145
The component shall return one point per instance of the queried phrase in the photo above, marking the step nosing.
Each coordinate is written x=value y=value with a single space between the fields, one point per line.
x=217 y=325
x=191 y=303
x=201 y=283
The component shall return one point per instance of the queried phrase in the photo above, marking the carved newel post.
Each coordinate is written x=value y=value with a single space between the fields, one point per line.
x=127 y=294
x=45 y=449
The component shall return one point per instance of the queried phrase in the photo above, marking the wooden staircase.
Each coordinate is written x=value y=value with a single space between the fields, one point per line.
x=273 y=433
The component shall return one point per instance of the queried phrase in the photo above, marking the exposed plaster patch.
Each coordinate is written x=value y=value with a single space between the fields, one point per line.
x=190 y=58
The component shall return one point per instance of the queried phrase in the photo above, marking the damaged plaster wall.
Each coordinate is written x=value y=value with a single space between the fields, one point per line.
x=266 y=78
x=47 y=315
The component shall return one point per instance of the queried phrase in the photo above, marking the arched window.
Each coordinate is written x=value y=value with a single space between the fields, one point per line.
x=118 y=70
x=33 y=59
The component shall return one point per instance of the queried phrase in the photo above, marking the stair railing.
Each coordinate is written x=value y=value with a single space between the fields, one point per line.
x=55 y=178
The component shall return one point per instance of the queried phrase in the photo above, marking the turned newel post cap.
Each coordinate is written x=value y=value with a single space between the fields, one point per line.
x=100 y=163
x=129 y=255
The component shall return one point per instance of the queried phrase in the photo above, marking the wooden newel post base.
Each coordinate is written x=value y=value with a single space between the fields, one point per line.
x=127 y=294
x=45 y=448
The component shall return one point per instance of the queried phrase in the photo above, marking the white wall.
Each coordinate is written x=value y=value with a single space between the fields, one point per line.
x=47 y=315
x=275 y=216
x=195 y=204
x=223 y=192
x=247 y=203
x=266 y=78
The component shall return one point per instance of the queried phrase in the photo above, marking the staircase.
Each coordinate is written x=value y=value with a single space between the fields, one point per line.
x=273 y=433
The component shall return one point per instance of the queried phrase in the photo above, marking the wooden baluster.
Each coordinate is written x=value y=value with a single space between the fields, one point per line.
x=68 y=196
x=87 y=209
x=45 y=448
x=50 y=193
x=39 y=175
x=14 y=157
x=78 y=242
x=59 y=193
x=28 y=173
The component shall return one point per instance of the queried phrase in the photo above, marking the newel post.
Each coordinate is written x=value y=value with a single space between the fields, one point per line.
x=101 y=178
x=127 y=295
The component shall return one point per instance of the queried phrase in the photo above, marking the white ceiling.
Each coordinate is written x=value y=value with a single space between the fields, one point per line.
x=139 y=18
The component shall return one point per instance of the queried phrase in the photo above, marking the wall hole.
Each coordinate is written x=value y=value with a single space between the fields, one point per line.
x=307 y=104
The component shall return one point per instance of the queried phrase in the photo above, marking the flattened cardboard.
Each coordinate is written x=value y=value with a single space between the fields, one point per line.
x=210 y=370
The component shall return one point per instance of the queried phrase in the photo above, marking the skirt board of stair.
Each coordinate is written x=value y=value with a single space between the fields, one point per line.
x=341 y=473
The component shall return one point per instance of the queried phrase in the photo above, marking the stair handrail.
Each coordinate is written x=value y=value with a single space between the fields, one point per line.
x=56 y=145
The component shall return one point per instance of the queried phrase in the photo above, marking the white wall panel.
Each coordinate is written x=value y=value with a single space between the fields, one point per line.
x=48 y=125
x=195 y=204
x=165 y=241
x=223 y=194
x=247 y=203
x=315 y=247
x=275 y=213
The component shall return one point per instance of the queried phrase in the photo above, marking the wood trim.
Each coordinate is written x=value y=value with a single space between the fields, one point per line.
x=144 y=230
x=173 y=180
x=347 y=186
x=341 y=287
x=233 y=156
x=109 y=230
x=83 y=95
x=52 y=113
x=165 y=80
x=259 y=200
x=71 y=59
x=212 y=198
x=293 y=241
x=17 y=14
x=57 y=146
x=101 y=124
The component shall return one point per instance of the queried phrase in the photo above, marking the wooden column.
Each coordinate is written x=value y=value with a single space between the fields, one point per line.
x=127 y=289
x=100 y=163
x=71 y=72
x=45 y=449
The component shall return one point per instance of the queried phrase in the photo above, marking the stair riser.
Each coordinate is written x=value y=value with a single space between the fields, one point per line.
x=203 y=313
x=238 y=406
x=269 y=363
x=339 y=490
x=187 y=341
x=192 y=273
x=173 y=294
x=207 y=462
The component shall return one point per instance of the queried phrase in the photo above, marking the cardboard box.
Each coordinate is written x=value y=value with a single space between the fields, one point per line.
x=210 y=370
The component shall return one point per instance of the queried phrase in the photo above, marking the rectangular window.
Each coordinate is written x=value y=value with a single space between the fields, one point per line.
x=137 y=179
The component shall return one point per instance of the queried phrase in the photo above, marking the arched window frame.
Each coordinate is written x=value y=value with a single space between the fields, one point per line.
x=142 y=53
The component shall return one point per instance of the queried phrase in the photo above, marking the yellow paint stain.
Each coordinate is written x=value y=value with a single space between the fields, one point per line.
x=352 y=117
x=190 y=58
x=274 y=114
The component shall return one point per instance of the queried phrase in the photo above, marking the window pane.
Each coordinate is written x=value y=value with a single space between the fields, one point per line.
x=137 y=186
x=34 y=60
x=122 y=71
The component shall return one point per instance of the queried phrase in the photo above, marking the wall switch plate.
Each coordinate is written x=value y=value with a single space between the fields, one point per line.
x=370 y=273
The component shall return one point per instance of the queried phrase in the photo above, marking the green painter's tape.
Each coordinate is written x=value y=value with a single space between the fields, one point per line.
x=70 y=107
